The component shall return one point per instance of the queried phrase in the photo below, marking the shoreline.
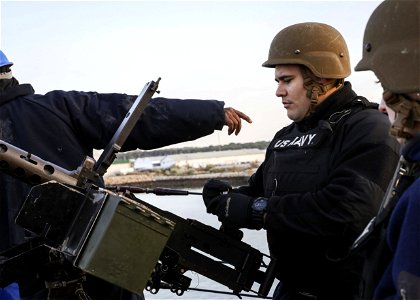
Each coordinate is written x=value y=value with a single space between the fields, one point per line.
x=178 y=181
x=191 y=170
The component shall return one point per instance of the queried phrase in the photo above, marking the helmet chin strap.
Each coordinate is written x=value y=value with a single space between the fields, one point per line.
x=407 y=113
x=316 y=89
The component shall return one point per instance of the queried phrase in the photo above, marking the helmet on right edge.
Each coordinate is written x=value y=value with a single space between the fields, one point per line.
x=4 y=62
x=319 y=47
x=391 y=45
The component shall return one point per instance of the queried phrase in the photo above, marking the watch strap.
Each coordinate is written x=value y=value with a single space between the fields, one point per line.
x=257 y=215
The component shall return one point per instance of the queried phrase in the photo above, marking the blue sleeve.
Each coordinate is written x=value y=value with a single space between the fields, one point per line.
x=95 y=117
x=10 y=292
x=404 y=242
x=170 y=121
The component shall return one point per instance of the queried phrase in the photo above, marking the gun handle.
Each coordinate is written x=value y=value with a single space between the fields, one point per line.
x=266 y=284
x=233 y=232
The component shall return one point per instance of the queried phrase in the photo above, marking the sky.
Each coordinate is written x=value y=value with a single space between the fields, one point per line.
x=200 y=49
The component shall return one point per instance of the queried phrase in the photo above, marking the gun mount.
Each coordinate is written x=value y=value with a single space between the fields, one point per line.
x=115 y=236
x=135 y=245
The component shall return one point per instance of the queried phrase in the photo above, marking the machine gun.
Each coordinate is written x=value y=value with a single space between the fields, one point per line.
x=116 y=236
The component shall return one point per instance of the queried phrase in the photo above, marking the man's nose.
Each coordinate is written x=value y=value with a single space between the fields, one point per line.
x=280 y=91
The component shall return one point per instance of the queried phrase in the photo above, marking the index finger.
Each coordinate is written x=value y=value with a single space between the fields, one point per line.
x=243 y=116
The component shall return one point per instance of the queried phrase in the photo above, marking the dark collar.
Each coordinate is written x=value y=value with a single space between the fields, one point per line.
x=338 y=101
x=16 y=91
x=411 y=150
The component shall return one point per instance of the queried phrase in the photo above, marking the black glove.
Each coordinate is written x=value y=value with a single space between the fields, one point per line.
x=214 y=188
x=234 y=210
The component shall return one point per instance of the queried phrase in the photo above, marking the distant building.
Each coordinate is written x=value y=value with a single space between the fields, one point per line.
x=153 y=163
x=219 y=158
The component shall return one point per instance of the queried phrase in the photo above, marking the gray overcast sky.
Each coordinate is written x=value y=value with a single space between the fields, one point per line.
x=201 y=49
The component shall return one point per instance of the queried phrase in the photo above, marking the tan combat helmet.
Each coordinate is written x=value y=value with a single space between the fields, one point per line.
x=391 y=49
x=317 y=46
x=320 y=48
x=391 y=45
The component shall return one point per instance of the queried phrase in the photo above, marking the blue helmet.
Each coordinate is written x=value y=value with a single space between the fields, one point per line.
x=4 y=61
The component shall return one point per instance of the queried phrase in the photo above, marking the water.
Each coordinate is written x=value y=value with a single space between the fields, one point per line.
x=192 y=207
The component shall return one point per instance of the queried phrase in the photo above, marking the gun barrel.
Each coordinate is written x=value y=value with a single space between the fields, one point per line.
x=30 y=168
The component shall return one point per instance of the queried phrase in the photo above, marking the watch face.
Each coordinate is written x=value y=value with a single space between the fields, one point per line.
x=260 y=204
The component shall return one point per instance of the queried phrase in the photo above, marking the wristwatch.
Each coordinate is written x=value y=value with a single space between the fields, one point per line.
x=259 y=207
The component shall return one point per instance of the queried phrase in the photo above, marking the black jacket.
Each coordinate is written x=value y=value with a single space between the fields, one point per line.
x=64 y=127
x=324 y=178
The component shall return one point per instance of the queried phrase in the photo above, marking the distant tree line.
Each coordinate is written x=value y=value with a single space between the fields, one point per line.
x=125 y=156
